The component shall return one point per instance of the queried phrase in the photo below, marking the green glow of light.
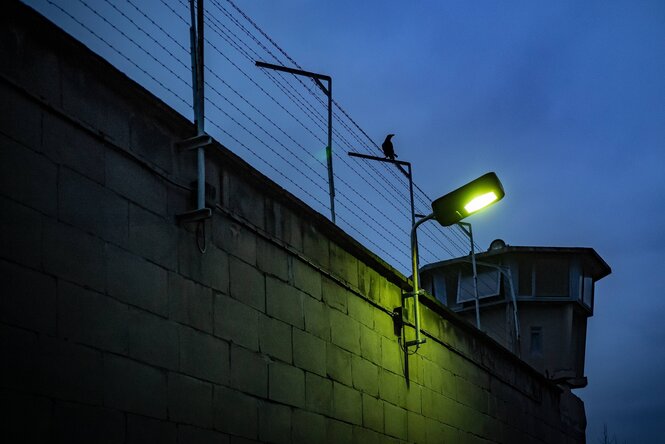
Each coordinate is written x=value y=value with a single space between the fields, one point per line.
x=479 y=202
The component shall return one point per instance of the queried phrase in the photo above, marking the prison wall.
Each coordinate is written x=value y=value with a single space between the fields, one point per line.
x=114 y=327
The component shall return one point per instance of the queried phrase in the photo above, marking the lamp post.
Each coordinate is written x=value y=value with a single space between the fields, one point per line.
x=448 y=210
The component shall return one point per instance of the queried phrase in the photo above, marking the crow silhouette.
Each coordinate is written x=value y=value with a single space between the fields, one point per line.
x=387 y=147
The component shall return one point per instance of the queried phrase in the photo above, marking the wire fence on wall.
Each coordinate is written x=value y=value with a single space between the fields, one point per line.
x=275 y=121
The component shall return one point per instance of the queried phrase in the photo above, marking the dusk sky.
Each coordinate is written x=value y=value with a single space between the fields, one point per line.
x=565 y=101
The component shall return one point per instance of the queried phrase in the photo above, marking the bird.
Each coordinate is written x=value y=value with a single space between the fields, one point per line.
x=387 y=147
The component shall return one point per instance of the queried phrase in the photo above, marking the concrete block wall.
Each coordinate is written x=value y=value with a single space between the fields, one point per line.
x=115 y=328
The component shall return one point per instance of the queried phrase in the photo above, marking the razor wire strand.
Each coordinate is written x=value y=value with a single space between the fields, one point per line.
x=455 y=231
x=349 y=130
x=343 y=181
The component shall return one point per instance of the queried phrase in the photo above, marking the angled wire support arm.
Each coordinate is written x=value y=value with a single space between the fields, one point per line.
x=328 y=92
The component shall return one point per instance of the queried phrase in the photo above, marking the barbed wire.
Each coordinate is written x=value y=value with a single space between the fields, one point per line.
x=257 y=113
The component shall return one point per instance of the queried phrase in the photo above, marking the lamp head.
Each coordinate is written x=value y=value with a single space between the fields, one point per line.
x=468 y=199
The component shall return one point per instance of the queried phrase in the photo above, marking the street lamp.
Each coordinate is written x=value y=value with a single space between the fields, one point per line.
x=448 y=210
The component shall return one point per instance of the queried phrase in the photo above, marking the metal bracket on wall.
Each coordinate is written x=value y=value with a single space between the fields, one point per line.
x=415 y=296
x=201 y=141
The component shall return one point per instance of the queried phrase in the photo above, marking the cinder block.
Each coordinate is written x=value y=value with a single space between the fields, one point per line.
x=152 y=141
x=108 y=113
x=91 y=207
x=317 y=320
x=338 y=431
x=92 y=318
x=370 y=345
x=286 y=384
x=70 y=371
x=249 y=371
x=427 y=403
x=345 y=332
x=392 y=388
x=272 y=259
x=248 y=284
x=190 y=303
x=26 y=418
x=210 y=268
x=361 y=310
x=284 y=302
x=134 y=387
x=395 y=421
x=369 y=282
x=203 y=356
x=362 y=435
x=153 y=339
x=372 y=413
x=283 y=224
x=275 y=338
x=141 y=429
x=236 y=413
x=447 y=410
x=20 y=233
x=365 y=375
x=318 y=394
x=338 y=364
x=190 y=400
x=19 y=368
x=69 y=253
x=195 y=435
x=153 y=237
x=306 y=278
x=390 y=295
x=472 y=395
x=72 y=146
x=347 y=404
x=20 y=120
x=343 y=265
x=235 y=239
x=274 y=423
x=433 y=376
x=135 y=182
x=334 y=295
x=136 y=281
x=392 y=356
x=236 y=322
x=28 y=298
x=384 y=325
x=316 y=246
x=437 y=432
x=309 y=352
x=308 y=427
x=414 y=398
x=244 y=200
x=416 y=427
x=83 y=423
x=241 y=440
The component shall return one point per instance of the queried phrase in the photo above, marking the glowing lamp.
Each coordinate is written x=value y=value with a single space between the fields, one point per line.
x=467 y=199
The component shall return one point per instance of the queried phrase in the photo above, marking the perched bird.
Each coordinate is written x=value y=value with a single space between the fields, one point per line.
x=388 y=149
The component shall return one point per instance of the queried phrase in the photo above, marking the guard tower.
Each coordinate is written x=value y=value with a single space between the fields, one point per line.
x=535 y=301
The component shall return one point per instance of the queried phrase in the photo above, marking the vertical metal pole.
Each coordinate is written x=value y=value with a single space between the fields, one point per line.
x=516 y=318
x=200 y=153
x=413 y=211
x=413 y=216
x=331 y=183
x=193 y=53
x=475 y=277
x=416 y=276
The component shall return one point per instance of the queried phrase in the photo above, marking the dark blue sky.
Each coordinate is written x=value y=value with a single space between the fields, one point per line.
x=564 y=100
